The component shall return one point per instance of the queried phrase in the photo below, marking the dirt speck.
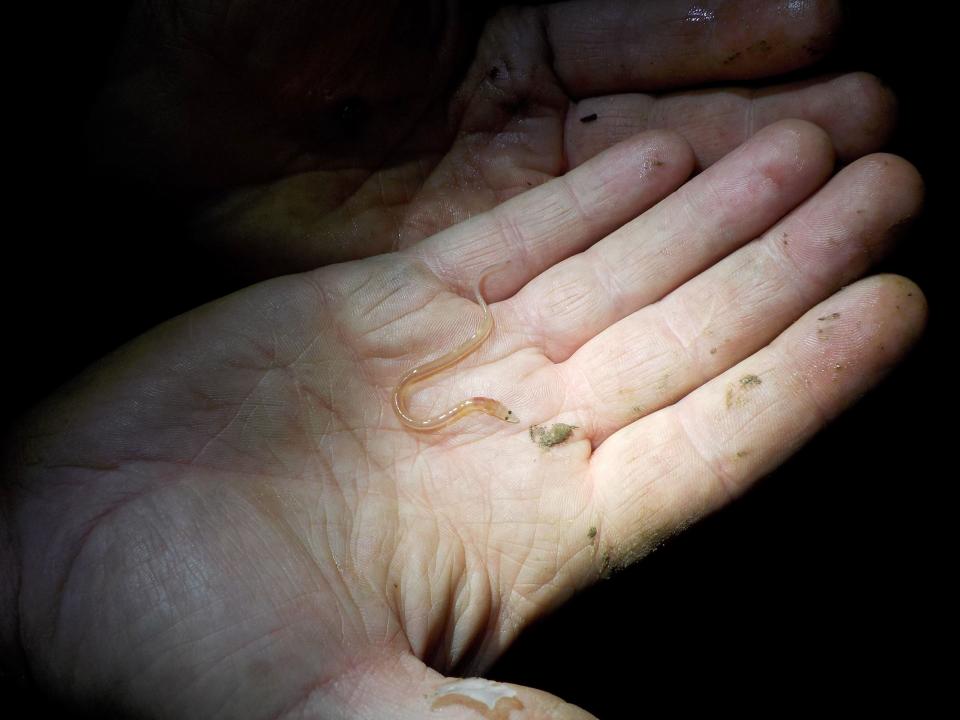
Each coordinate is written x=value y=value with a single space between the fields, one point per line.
x=589 y=118
x=592 y=532
x=831 y=316
x=547 y=437
x=761 y=47
x=817 y=45
x=736 y=392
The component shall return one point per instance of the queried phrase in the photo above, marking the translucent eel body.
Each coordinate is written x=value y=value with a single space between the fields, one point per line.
x=401 y=392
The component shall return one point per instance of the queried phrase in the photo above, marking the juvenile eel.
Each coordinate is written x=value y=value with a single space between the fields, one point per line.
x=487 y=405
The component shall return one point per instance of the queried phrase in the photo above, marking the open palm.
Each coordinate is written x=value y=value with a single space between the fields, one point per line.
x=317 y=132
x=229 y=507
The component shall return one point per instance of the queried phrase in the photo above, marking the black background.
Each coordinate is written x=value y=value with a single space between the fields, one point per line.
x=824 y=588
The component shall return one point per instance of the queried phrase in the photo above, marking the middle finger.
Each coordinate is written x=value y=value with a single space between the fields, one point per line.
x=718 y=211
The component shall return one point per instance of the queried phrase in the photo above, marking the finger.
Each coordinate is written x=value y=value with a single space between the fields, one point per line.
x=401 y=688
x=541 y=227
x=660 y=473
x=621 y=46
x=856 y=110
x=713 y=214
x=662 y=352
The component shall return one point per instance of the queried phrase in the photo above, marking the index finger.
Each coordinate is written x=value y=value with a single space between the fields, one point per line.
x=550 y=222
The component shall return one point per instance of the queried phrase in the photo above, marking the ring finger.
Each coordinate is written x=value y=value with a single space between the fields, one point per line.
x=662 y=352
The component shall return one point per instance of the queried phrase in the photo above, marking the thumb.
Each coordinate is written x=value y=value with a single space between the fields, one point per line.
x=408 y=689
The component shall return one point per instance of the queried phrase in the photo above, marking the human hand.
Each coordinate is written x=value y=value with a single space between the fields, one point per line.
x=317 y=134
x=227 y=506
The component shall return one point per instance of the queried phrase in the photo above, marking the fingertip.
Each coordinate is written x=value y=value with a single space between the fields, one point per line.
x=899 y=177
x=902 y=311
x=793 y=151
x=664 y=154
x=658 y=151
x=854 y=338
x=674 y=148
x=807 y=137
x=631 y=176
x=870 y=115
x=764 y=39
x=825 y=18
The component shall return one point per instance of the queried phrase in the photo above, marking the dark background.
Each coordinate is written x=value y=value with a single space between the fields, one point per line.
x=824 y=588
